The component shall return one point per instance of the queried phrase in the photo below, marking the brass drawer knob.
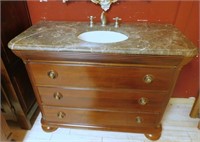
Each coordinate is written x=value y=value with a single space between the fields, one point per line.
x=57 y=95
x=138 y=119
x=52 y=74
x=148 y=79
x=143 y=101
x=61 y=115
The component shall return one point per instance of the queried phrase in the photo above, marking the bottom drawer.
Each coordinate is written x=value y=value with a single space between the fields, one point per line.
x=98 y=118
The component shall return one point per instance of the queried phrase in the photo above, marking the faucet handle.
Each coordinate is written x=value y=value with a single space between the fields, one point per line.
x=117 y=19
x=91 y=20
x=91 y=17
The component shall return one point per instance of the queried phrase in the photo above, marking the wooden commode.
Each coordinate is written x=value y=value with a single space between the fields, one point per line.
x=121 y=86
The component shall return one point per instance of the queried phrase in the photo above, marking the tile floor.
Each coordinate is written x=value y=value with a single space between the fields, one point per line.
x=177 y=127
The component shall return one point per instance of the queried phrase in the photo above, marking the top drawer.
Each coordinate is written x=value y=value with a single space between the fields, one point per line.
x=99 y=76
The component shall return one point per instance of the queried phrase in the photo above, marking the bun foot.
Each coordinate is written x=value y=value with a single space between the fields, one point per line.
x=48 y=128
x=155 y=136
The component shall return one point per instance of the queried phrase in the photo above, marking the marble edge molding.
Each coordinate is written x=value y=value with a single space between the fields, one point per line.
x=144 y=38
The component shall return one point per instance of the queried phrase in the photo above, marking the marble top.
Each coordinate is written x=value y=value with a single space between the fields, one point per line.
x=143 y=38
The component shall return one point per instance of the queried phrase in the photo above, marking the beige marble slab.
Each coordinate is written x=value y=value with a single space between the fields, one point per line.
x=144 y=38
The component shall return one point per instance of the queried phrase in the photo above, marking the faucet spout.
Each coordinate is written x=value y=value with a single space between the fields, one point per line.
x=103 y=19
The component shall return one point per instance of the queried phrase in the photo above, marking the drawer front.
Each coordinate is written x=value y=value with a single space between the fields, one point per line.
x=102 y=76
x=98 y=118
x=129 y=101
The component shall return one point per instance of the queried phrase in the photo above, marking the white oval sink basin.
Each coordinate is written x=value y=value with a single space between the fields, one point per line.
x=102 y=36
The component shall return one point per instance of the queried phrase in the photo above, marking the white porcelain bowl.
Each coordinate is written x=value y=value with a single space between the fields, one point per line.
x=102 y=36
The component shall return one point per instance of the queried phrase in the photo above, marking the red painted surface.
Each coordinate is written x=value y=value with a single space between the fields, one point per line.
x=128 y=10
x=188 y=23
x=183 y=14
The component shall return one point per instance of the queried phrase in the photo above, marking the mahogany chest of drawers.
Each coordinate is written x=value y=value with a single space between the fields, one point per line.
x=128 y=95
x=95 y=90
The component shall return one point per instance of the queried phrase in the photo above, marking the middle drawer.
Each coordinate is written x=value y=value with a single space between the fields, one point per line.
x=114 y=100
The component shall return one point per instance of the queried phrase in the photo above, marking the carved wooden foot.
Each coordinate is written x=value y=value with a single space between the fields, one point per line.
x=155 y=136
x=49 y=129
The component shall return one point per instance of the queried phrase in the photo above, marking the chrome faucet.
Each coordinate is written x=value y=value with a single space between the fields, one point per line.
x=91 y=20
x=117 y=21
x=103 y=19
